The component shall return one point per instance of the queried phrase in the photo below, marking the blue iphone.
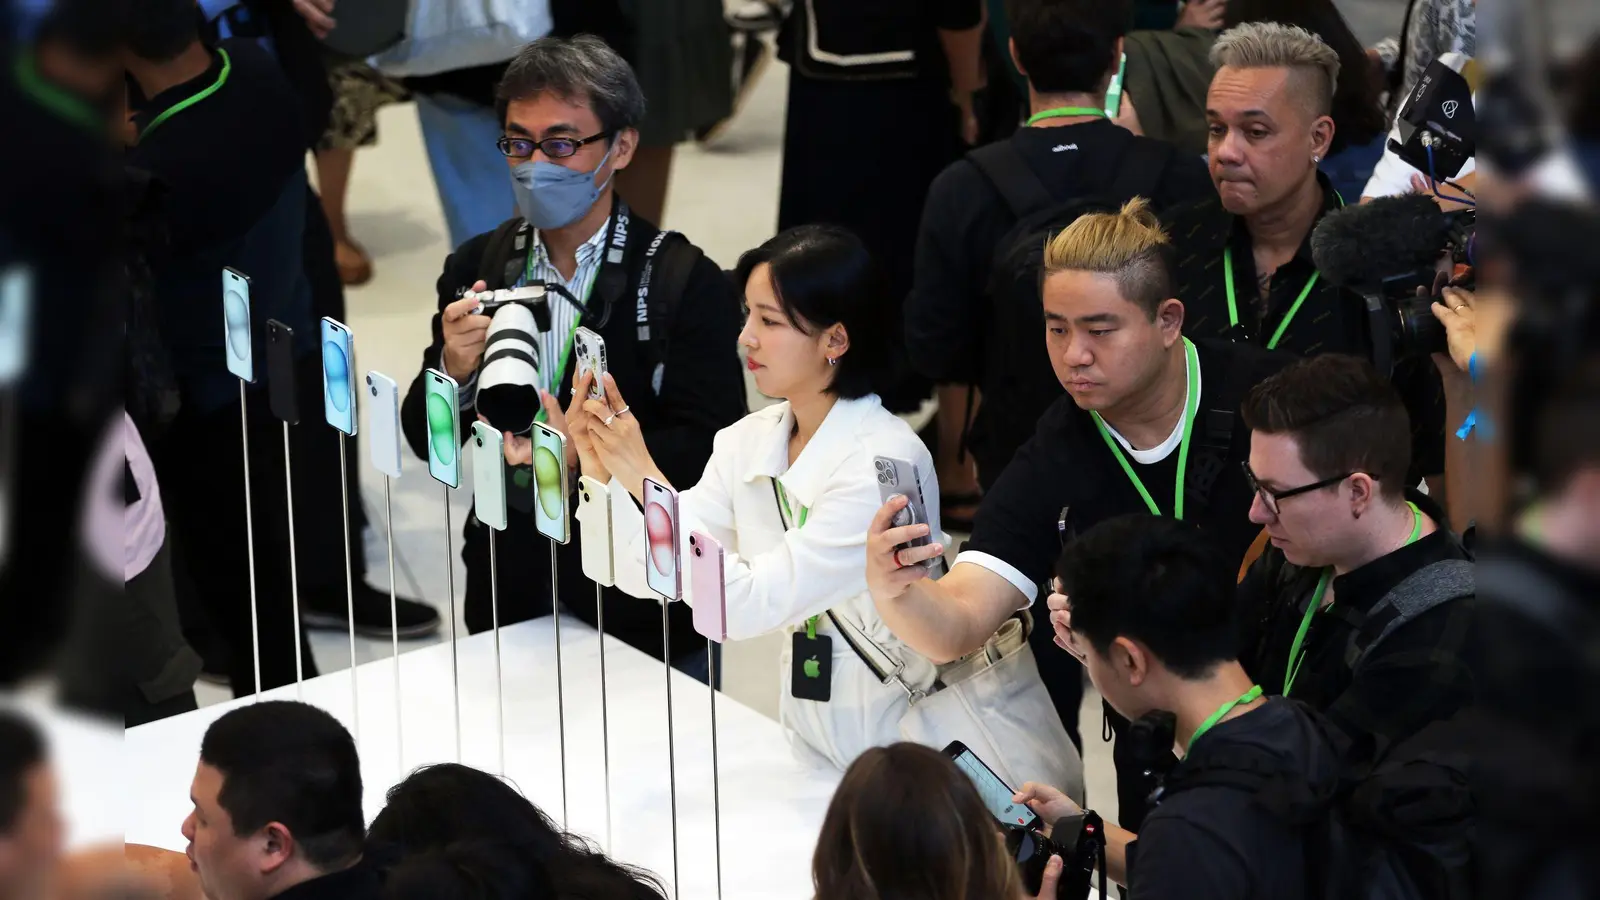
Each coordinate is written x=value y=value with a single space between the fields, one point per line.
x=236 y=324
x=338 y=389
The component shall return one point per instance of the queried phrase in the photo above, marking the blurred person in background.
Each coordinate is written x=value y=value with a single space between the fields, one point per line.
x=1364 y=607
x=30 y=823
x=1429 y=30
x=976 y=260
x=450 y=816
x=359 y=91
x=570 y=110
x=277 y=808
x=907 y=823
x=1244 y=268
x=880 y=101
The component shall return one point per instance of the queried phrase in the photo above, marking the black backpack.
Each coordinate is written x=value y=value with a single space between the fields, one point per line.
x=664 y=264
x=1017 y=380
x=1402 y=831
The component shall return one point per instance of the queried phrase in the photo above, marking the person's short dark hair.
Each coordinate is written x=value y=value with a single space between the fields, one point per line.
x=1344 y=415
x=823 y=275
x=1067 y=46
x=1358 y=115
x=442 y=805
x=467 y=870
x=292 y=763
x=582 y=69
x=1162 y=582
x=158 y=30
x=22 y=748
x=84 y=28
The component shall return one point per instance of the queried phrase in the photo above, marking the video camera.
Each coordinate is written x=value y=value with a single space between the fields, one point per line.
x=1437 y=123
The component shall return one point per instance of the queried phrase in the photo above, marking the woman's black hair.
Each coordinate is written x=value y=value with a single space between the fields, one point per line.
x=467 y=870
x=443 y=805
x=1358 y=116
x=824 y=276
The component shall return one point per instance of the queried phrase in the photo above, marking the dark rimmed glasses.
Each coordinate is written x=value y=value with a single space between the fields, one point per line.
x=1271 y=498
x=552 y=147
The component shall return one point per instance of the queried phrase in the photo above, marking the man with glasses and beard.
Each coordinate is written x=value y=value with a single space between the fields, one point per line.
x=1363 y=605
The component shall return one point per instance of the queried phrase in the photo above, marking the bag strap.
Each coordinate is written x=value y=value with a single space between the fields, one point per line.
x=1427 y=588
x=1216 y=432
x=669 y=263
x=506 y=254
x=1004 y=166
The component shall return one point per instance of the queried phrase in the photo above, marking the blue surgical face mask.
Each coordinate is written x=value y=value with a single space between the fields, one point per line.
x=553 y=196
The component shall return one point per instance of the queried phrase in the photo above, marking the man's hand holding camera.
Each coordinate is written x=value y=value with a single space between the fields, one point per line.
x=464 y=335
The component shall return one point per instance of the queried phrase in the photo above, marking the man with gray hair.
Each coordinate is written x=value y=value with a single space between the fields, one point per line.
x=569 y=111
x=1245 y=270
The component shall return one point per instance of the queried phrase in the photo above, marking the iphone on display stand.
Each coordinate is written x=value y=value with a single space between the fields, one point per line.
x=444 y=464
x=383 y=439
x=550 y=519
x=709 y=587
x=661 y=574
x=239 y=353
x=285 y=403
x=339 y=408
x=489 y=505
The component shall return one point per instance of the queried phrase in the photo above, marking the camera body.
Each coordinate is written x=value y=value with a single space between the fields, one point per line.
x=1079 y=840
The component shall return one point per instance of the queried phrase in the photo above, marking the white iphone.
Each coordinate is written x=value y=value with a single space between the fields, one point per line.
x=383 y=423
x=594 y=531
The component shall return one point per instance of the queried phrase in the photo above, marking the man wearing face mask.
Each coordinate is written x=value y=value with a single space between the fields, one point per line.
x=1244 y=269
x=1364 y=605
x=670 y=319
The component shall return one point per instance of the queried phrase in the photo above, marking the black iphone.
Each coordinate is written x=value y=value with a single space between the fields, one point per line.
x=282 y=391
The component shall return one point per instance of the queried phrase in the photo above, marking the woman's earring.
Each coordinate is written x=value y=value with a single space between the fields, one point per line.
x=833 y=360
x=1315 y=158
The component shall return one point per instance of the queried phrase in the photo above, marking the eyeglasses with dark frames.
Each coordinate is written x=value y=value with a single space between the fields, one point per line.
x=1271 y=498
x=552 y=147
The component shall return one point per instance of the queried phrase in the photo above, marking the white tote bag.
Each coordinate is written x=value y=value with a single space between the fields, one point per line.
x=444 y=35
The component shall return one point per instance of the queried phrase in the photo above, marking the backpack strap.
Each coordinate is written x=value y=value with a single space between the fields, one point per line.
x=506 y=254
x=1282 y=791
x=1218 y=414
x=1004 y=167
x=1143 y=166
x=669 y=263
x=1429 y=587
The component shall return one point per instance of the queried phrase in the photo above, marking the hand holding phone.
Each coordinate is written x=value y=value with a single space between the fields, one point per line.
x=995 y=793
x=897 y=476
x=488 y=476
x=444 y=427
x=338 y=386
x=383 y=423
x=550 y=483
x=661 y=540
x=710 y=587
x=591 y=352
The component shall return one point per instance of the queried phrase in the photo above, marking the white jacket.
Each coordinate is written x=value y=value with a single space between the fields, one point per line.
x=777 y=579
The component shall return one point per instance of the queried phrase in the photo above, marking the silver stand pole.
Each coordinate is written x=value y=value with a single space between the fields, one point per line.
x=349 y=595
x=450 y=585
x=394 y=630
x=499 y=690
x=605 y=725
x=716 y=781
x=561 y=700
x=250 y=539
x=294 y=573
x=672 y=759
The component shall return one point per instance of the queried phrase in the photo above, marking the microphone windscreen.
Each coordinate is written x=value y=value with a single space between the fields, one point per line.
x=1387 y=237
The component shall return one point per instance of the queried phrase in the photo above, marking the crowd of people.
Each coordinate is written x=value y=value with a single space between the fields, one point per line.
x=1180 y=472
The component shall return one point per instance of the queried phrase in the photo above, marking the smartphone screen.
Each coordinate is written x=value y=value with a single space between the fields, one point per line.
x=709 y=586
x=236 y=324
x=661 y=540
x=550 y=484
x=283 y=392
x=1114 y=93
x=488 y=476
x=444 y=428
x=996 y=795
x=591 y=350
x=383 y=423
x=338 y=389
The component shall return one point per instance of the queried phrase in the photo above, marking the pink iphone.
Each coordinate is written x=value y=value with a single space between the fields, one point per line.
x=661 y=570
x=709 y=586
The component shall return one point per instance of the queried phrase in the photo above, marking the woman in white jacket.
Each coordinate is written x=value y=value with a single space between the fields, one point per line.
x=789 y=490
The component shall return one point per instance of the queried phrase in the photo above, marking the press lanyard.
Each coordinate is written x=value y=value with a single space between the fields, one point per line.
x=1062 y=112
x=60 y=101
x=1297 y=650
x=1249 y=696
x=180 y=106
x=566 y=348
x=1233 y=305
x=799 y=522
x=1191 y=407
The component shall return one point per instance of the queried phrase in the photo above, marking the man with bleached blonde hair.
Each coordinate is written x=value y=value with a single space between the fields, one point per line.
x=1148 y=425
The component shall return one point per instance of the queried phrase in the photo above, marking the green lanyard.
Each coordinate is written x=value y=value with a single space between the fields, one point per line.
x=1233 y=304
x=800 y=522
x=1297 y=650
x=58 y=100
x=1249 y=696
x=1062 y=112
x=1191 y=408
x=227 y=67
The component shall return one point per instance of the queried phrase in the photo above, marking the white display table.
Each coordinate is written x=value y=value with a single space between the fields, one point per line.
x=773 y=802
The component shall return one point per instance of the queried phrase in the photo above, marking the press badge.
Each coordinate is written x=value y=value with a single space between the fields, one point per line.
x=812 y=678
